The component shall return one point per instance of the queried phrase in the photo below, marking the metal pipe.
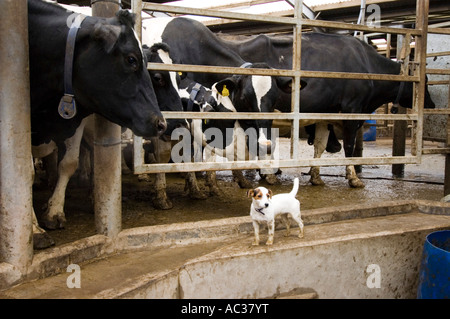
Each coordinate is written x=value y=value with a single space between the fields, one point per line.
x=16 y=170
x=107 y=157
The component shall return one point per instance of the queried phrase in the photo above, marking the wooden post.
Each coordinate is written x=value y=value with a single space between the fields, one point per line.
x=107 y=157
x=16 y=166
x=400 y=127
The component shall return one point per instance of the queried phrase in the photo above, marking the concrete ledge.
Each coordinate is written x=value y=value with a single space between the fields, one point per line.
x=55 y=260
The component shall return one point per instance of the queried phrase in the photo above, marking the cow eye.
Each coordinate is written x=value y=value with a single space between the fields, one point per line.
x=132 y=61
x=158 y=79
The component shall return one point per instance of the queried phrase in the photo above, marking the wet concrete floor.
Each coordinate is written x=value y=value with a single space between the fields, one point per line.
x=424 y=181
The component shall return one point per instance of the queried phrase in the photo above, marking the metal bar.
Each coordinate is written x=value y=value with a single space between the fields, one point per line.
x=438 y=71
x=272 y=19
x=444 y=53
x=268 y=164
x=16 y=171
x=288 y=116
x=280 y=72
x=216 y=13
x=443 y=82
x=138 y=150
x=107 y=160
x=437 y=150
x=296 y=66
x=438 y=30
x=421 y=57
x=436 y=111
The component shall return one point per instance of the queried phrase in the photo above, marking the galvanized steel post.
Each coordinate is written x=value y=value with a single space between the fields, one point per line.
x=107 y=156
x=16 y=169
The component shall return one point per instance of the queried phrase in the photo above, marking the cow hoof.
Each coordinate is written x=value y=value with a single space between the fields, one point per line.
x=56 y=222
x=243 y=183
x=271 y=179
x=356 y=183
x=163 y=203
x=215 y=191
x=317 y=181
x=42 y=241
x=197 y=194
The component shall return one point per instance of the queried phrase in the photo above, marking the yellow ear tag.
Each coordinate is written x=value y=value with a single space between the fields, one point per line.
x=225 y=91
x=180 y=73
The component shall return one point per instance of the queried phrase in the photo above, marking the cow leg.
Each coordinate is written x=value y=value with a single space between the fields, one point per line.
x=320 y=143
x=350 y=129
x=243 y=182
x=53 y=217
x=41 y=239
x=193 y=188
x=211 y=182
x=161 y=201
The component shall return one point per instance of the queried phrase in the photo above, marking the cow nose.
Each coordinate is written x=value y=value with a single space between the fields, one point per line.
x=266 y=204
x=161 y=125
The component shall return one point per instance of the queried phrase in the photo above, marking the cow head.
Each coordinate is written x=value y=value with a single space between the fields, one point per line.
x=254 y=93
x=111 y=78
x=166 y=85
x=406 y=95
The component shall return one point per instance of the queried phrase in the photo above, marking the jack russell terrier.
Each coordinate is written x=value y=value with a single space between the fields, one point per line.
x=266 y=207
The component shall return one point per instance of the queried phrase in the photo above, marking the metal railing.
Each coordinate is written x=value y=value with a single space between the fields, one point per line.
x=416 y=116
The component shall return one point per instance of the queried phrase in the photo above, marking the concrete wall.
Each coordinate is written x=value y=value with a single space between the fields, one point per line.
x=435 y=125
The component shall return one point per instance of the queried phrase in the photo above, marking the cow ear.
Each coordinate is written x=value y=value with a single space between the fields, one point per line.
x=108 y=34
x=284 y=83
x=226 y=86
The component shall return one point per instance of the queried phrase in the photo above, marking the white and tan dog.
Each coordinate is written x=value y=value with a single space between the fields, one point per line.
x=266 y=207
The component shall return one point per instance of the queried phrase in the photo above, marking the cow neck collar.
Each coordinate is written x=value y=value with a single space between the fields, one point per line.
x=67 y=107
x=246 y=65
x=195 y=89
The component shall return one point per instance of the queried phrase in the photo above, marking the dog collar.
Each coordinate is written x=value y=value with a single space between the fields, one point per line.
x=259 y=210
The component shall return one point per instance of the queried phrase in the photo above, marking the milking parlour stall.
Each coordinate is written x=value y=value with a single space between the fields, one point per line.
x=145 y=148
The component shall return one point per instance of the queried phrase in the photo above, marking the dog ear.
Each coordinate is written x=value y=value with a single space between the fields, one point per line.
x=250 y=193
x=270 y=193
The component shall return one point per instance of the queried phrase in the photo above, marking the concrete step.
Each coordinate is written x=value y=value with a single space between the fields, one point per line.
x=331 y=261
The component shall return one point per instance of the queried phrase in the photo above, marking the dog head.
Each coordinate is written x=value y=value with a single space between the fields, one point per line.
x=261 y=197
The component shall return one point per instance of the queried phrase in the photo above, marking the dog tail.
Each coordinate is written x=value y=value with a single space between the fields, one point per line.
x=294 y=188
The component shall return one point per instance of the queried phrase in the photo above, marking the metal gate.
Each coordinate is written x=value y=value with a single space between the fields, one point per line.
x=296 y=115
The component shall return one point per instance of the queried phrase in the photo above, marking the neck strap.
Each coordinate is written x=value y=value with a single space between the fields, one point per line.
x=67 y=106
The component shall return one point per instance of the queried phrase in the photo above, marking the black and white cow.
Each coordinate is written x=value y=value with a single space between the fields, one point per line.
x=335 y=53
x=240 y=146
x=110 y=78
x=167 y=93
x=191 y=42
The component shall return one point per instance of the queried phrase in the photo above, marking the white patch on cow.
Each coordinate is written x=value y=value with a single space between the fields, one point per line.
x=153 y=30
x=224 y=100
x=140 y=47
x=43 y=150
x=164 y=56
x=261 y=86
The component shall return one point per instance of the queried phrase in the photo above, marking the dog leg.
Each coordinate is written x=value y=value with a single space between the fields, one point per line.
x=287 y=223
x=299 y=221
x=271 y=227
x=256 y=229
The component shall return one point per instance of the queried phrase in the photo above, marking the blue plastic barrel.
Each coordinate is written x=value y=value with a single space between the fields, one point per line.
x=434 y=277
x=371 y=133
